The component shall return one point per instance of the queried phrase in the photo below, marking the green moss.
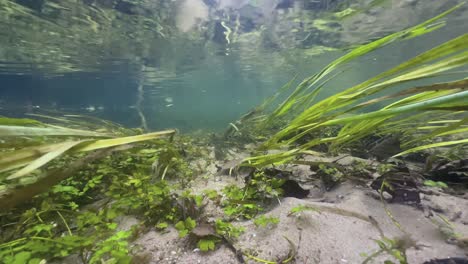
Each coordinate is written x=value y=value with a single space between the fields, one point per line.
x=264 y=221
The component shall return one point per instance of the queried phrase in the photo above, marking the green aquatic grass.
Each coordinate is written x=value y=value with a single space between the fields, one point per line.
x=7 y=121
x=342 y=110
x=37 y=159
x=322 y=113
x=433 y=145
x=299 y=94
x=15 y=131
x=43 y=160
x=55 y=140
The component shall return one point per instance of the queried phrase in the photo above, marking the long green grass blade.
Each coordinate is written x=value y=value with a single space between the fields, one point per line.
x=106 y=143
x=7 y=121
x=461 y=96
x=319 y=111
x=453 y=85
x=434 y=145
x=36 y=157
x=36 y=164
x=19 y=158
x=14 y=131
x=310 y=82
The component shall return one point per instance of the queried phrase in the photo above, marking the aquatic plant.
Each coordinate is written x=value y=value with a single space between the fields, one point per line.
x=345 y=110
x=76 y=216
x=184 y=227
x=248 y=201
x=264 y=221
x=209 y=235
x=394 y=247
x=51 y=146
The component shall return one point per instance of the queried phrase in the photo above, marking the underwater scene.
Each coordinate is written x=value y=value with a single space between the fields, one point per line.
x=233 y=131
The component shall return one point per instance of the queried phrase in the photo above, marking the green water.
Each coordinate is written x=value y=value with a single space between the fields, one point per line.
x=195 y=64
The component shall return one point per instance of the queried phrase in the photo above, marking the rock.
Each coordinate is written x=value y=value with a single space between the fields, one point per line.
x=292 y=189
x=126 y=222
x=204 y=230
x=386 y=147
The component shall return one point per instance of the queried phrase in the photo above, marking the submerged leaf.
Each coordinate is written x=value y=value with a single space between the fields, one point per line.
x=434 y=145
x=6 y=121
x=340 y=110
x=106 y=143
x=44 y=159
x=37 y=157
x=14 y=131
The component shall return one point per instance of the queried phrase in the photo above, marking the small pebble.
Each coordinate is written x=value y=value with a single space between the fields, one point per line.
x=173 y=252
x=387 y=196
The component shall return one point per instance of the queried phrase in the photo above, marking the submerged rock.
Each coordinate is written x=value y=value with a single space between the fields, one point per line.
x=292 y=189
x=448 y=261
x=386 y=148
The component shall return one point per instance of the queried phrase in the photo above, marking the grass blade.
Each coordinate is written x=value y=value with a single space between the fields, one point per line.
x=15 y=131
x=106 y=143
x=36 y=157
x=36 y=164
x=434 y=145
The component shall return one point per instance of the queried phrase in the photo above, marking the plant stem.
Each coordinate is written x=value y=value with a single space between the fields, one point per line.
x=65 y=222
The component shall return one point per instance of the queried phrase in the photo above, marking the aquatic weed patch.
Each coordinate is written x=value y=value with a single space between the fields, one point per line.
x=79 y=216
x=307 y=121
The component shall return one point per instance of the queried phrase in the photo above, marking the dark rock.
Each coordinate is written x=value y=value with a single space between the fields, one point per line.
x=450 y=171
x=275 y=173
x=292 y=189
x=402 y=187
x=386 y=148
x=448 y=261
x=405 y=196
x=417 y=157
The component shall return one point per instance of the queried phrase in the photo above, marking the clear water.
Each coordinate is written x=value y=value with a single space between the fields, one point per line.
x=191 y=78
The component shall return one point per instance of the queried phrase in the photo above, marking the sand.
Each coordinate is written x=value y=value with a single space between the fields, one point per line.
x=323 y=236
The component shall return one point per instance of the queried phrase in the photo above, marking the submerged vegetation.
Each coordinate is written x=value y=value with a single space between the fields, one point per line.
x=343 y=112
x=68 y=183
x=31 y=158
